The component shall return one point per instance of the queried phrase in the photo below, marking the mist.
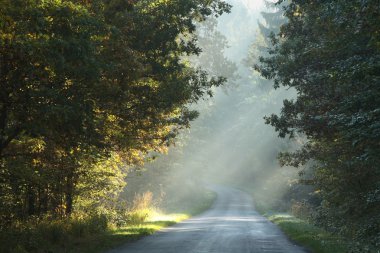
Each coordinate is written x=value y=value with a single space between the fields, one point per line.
x=229 y=143
x=120 y=119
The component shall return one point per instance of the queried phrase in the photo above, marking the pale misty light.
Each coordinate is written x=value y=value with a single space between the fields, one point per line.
x=253 y=4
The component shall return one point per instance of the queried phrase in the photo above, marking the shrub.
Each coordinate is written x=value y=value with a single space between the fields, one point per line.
x=97 y=223
x=301 y=209
x=143 y=201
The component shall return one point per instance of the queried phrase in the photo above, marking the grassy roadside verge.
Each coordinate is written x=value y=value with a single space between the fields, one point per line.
x=305 y=234
x=96 y=234
x=156 y=221
x=314 y=239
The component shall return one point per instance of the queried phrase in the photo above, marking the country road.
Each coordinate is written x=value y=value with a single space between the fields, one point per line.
x=231 y=225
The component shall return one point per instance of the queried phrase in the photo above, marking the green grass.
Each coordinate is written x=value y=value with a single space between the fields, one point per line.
x=119 y=236
x=94 y=235
x=311 y=237
x=302 y=232
x=154 y=223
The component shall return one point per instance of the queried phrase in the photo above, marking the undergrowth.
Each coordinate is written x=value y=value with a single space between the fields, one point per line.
x=310 y=236
x=315 y=239
x=93 y=233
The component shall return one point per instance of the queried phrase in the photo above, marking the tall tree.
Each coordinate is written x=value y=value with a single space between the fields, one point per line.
x=82 y=82
x=329 y=52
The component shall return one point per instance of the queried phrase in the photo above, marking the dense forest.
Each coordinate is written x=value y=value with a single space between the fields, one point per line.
x=88 y=88
x=91 y=92
x=328 y=51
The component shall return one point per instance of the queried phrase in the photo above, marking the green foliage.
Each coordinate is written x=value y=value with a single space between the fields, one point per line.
x=329 y=52
x=212 y=56
x=94 y=233
x=88 y=89
x=315 y=239
x=51 y=234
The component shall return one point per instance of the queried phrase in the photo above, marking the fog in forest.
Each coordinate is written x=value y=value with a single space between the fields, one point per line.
x=120 y=118
x=229 y=143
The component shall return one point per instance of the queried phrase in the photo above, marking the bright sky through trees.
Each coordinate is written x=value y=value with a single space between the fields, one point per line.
x=94 y=95
x=253 y=4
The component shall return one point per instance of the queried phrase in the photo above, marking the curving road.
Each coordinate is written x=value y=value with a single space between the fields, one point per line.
x=231 y=225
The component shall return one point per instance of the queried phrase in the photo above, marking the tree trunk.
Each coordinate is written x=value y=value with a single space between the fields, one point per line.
x=69 y=194
x=31 y=201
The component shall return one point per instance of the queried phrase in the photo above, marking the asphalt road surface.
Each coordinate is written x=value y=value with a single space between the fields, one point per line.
x=231 y=225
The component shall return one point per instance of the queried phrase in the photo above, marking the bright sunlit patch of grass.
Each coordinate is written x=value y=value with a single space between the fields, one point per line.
x=96 y=235
x=176 y=217
x=130 y=232
x=155 y=220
